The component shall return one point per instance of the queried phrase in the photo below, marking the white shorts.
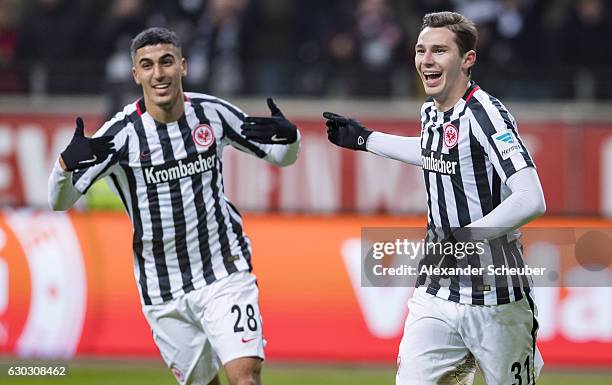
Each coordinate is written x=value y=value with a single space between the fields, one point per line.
x=219 y=322
x=444 y=342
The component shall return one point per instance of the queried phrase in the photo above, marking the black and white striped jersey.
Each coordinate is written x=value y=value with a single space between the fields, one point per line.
x=169 y=176
x=468 y=153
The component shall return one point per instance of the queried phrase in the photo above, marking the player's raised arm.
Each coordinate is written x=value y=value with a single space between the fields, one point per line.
x=80 y=154
x=351 y=134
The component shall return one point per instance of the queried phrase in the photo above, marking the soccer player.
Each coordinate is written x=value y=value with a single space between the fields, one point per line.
x=478 y=176
x=192 y=260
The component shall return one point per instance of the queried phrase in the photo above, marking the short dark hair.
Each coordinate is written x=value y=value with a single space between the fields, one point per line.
x=154 y=36
x=466 y=34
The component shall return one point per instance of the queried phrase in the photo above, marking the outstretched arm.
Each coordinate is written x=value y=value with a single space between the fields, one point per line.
x=284 y=155
x=403 y=148
x=349 y=133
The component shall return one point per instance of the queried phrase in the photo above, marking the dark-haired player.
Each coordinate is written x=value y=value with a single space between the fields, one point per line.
x=163 y=156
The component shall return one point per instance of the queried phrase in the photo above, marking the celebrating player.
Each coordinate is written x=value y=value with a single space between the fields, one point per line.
x=162 y=155
x=478 y=176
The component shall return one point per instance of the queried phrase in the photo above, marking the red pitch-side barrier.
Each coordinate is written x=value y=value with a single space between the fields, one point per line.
x=574 y=164
x=67 y=289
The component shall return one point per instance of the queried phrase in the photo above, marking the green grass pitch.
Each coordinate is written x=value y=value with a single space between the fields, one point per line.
x=154 y=373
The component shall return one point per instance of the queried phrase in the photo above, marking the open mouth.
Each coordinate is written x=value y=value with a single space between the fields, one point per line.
x=161 y=89
x=161 y=86
x=432 y=79
x=432 y=75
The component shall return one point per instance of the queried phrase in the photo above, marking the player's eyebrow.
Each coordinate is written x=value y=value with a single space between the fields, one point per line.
x=166 y=56
x=163 y=57
x=434 y=46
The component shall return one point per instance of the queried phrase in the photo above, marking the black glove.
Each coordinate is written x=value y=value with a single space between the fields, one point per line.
x=274 y=130
x=84 y=152
x=345 y=132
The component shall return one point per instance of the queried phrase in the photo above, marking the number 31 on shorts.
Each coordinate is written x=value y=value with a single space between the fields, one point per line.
x=522 y=373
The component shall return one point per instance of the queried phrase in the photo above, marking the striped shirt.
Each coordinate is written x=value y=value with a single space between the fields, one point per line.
x=187 y=234
x=468 y=153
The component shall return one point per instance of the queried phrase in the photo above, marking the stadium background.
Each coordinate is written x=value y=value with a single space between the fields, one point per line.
x=67 y=292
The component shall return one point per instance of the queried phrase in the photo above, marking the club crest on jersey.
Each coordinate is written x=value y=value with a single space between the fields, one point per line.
x=451 y=136
x=203 y=135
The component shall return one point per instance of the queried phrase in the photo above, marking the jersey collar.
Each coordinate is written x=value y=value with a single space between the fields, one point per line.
x=461 y=103
x=141 y=108
x=470 y=91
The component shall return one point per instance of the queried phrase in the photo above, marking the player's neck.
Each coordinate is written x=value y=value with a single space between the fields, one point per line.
x=446 y=103
x=166 y=114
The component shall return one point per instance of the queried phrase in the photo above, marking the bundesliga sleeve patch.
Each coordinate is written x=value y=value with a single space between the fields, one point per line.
x=506 y=143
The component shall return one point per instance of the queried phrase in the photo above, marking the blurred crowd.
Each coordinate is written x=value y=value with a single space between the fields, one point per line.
x=528 y=49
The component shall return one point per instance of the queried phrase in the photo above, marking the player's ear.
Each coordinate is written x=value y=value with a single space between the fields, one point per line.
x=135 y=75
x=469 y=59
x=183 y=67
